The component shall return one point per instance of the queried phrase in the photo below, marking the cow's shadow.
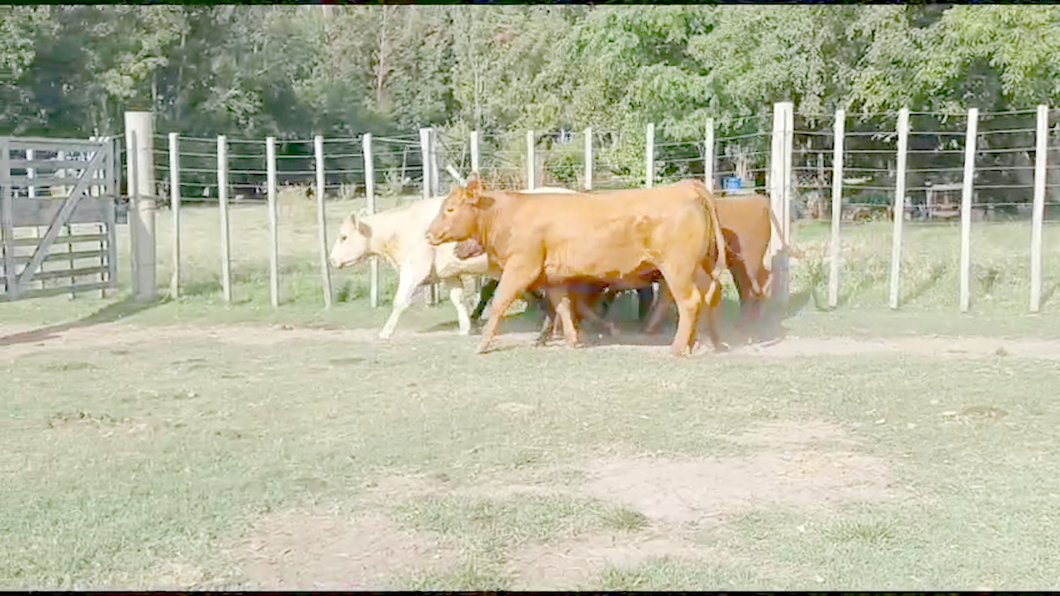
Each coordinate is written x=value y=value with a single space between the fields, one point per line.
x=107 y=314
x=735 y=329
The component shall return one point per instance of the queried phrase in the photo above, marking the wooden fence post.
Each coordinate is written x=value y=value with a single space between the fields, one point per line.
x=425 y=155
x=708 y=155
x=966 y=207
x=649 y=156
x=322 y=220
x=530 y=159
x=369 y=193
x=835 y=246
x=780 y=195
x=425 y=158
x=222 y=195
x=899 y=206
x=174 y=206
x=31 y=173
x=274 y=221
x=436 y=187
x=7 y=237
x=1038 y=217
x=474 y=151
x=588 y=159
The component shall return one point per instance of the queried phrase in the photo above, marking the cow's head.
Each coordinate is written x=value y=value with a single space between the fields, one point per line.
x=458 y=216
x=352 y=245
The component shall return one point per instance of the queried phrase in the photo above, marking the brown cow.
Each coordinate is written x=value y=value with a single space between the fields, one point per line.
x=620 y=239
x=745 y=222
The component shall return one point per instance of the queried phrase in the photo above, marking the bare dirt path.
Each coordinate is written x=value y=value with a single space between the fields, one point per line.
x=16 y=341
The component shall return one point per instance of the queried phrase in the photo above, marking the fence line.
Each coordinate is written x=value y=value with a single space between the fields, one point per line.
x=864 y=178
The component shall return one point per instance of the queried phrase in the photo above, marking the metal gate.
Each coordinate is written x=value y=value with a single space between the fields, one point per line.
x=57 y=216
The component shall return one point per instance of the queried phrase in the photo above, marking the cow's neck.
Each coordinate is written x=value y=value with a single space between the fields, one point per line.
x=489 y=226
x=383 y=241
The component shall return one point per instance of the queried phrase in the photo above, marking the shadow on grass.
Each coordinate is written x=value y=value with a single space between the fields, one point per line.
x=1047 y=294
x=933 y=278
x=107 y=314
x=733 y=329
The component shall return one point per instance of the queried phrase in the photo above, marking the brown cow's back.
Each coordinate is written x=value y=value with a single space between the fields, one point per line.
x=629 y=234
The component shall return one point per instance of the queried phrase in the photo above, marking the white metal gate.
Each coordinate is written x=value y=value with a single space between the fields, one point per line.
x=57 y=216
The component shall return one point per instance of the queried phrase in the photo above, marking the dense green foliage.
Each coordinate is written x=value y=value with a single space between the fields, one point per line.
x=295 y=71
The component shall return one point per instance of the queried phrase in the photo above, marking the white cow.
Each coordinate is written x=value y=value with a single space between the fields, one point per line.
x=399 y=236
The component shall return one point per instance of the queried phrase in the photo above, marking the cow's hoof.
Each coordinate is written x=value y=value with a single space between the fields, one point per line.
x=482 y=349
x=383 y=335
x=611 y=329
x=721 y=347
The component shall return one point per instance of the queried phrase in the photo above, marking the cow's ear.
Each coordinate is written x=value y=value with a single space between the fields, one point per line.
x=482 y=201
x=359 y=225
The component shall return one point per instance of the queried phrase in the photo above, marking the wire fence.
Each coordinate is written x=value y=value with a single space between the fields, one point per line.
x=924 y=254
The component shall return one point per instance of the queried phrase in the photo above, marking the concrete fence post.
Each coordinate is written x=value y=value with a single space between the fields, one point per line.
x=222 y=198
x=174 y=206
x=274 y=220
x=369 y=194
x=780 y=195
x=835 y=245
x=322 y=220
x=1038 y=213
x=966 y=208
x=899 y=206
x=139 y=125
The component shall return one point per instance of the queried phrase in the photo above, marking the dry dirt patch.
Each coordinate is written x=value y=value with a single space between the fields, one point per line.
x=813 y=468
x=692 y=490
x=807 y=465
x=301 y=550
x=577 y=562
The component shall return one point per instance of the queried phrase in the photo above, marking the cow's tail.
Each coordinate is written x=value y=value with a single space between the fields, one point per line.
x=720 y=263
x=783 y=243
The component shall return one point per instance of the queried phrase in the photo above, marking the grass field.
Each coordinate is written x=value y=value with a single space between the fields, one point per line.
x=194 y=445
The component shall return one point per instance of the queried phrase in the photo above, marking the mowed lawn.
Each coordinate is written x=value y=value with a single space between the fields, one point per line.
x=194 y=445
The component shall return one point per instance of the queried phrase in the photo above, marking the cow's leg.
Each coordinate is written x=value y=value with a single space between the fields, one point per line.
x=711 y=302
x=680 y=278
x=484 y=297
x=411 y=274
x=659 y=309
x=645 y=296
x=560 y=297
x=456 y=296
x=515 y=278
x=585 y=311
x=742 y=280
x=548 y=326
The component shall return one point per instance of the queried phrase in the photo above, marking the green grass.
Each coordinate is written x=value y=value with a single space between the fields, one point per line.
x=120 y=460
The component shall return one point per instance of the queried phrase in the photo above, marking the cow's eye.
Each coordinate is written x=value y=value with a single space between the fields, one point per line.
x=448 y=209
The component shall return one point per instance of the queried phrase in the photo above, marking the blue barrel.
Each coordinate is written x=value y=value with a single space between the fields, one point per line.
x=731 y=184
